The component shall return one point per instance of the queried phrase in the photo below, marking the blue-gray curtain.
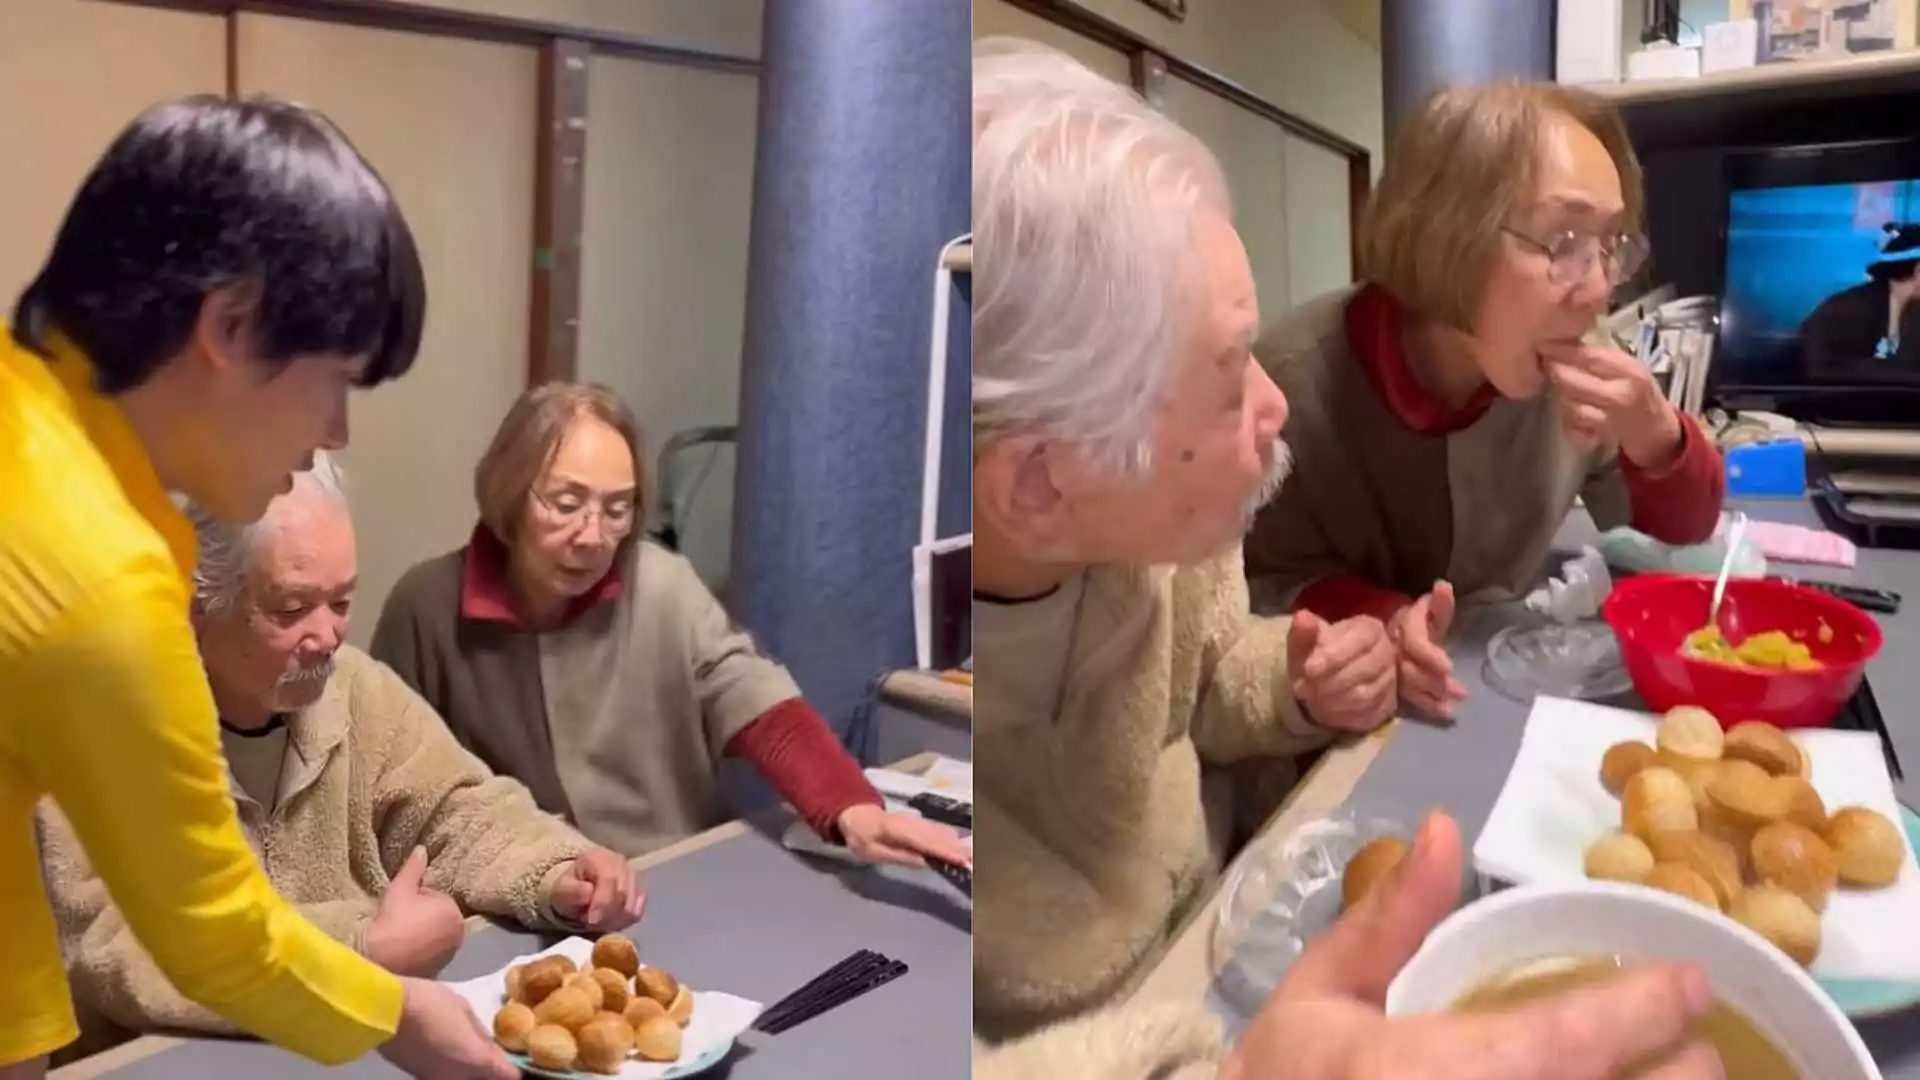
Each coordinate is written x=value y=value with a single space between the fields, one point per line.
x=861 y=176
x=1427 y=45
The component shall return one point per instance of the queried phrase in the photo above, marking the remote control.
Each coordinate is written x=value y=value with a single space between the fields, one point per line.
x=960 y=876
x=943 y=810
x=1860 y=596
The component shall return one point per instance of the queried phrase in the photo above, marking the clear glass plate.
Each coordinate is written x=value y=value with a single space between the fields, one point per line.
x=1579 y=660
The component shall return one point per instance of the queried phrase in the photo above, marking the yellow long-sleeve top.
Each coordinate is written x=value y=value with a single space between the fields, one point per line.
x=104 y=706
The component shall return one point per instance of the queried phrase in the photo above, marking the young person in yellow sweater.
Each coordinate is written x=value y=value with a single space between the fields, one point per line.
x=1123 y=436
x=1450 y=408
x=226 y=273
x=370 y=818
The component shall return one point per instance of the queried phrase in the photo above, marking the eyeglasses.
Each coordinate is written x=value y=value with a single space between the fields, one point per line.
x=570 y=511
x=1571 y=256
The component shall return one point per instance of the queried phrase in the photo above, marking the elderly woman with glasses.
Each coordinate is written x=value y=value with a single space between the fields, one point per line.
x=593 y=666
x=1448 y=409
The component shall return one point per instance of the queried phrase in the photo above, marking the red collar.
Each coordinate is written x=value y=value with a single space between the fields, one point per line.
x=1374 y=321
x=486 y=597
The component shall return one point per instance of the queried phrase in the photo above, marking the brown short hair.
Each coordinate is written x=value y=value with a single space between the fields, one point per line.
x=528 y=438
x=1456 y=171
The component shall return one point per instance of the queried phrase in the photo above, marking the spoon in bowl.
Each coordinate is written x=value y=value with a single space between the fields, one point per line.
x=1736 y=532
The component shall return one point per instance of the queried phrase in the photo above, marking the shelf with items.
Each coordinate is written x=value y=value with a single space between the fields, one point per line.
x=1865 y=73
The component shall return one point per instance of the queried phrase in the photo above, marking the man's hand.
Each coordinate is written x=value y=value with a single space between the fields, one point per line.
x=1607 y=395
x=415 y=930
x=1326 y=1021
x=876 y=835
x=1343 y=673
x=1425 y=672
x=600 y=893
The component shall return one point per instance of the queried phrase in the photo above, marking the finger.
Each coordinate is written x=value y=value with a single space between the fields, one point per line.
x=1595 y=1032
x=498 y=1065
x=636 y=901
x=412 y=872
x=1440 y=612
x=1586 y=388
x=601 y=899
x=570 y=894
x=1341 y=645
x=1369 y=945
x=1364 y=668
x=931 y=838
x=1303 y=636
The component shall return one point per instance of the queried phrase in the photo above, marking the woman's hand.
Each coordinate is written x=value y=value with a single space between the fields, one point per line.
x=1343 y=672
x=878 y=835
x=1326 y=1021
x=1607 y=395
x=1419 y=635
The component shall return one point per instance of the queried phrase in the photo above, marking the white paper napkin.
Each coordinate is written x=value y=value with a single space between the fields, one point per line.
x=717 y=1018
x=1553 y=806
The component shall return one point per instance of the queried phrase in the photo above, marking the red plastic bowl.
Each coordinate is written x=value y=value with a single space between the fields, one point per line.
x=1653 y=614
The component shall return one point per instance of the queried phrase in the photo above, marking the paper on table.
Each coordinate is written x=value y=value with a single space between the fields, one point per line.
x=953 y=779
x=1553 y=806
x=717 y=1018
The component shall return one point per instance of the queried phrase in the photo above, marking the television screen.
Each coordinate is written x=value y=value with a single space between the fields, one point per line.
x=1820 y=286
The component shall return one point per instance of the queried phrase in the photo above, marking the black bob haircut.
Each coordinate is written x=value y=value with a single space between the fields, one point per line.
x=206 y=193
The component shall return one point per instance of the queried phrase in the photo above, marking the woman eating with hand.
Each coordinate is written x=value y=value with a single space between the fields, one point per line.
x=597 y=669
x=1449 y=409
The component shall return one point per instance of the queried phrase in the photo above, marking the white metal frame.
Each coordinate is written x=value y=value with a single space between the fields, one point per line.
x=930 y=543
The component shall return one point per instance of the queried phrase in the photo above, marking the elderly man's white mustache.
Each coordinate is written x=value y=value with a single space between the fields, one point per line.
x=1278 y=468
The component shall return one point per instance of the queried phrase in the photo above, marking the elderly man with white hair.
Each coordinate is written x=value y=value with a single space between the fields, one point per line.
x=1123 y=436
x=365 y=811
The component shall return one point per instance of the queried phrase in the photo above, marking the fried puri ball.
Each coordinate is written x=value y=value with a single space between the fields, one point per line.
x=605 y=1043
x=1869 y=848
x=1657 y=800
x=615 y=990
x=618 y=953
x=681 y=1011
x=1782 y=918
x=1764 y=745
x=1691 y=732
x=539 y=980
x=642 y=1009
x=569 y=1007
x=1746 y=795
x=1619 y=857
x=656 y=983
x=590 y=986
x=1697 y=774
x=565 y=964
x=514 y=974
x=657 y=1040
x=1804 y=805
x=1715 y=860
x=1683 y=881
x=1368 y=867
x=511 y=1026
x=1794 y=858
x=1621 y=761
x=552 y=1047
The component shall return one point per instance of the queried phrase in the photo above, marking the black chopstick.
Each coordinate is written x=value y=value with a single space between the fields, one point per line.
x=840 y=996
x=854 y=967
x=1865 y=709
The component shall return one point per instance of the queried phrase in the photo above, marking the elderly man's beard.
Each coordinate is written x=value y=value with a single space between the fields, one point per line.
x=299 y=689
x=1278 y=467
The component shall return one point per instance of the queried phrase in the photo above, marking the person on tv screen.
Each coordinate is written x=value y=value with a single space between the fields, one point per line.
x=1871 y=328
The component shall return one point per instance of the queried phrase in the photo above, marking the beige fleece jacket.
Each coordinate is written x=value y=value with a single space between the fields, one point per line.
x=1088 y=747
x=371 y=773
x=1123 y=1042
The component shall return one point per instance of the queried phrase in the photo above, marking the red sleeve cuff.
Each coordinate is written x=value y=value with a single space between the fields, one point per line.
x=1680 y=502
x=792 y=747
x=1347 y=595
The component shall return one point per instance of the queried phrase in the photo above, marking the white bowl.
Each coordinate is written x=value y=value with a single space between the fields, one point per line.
x=1542 y=922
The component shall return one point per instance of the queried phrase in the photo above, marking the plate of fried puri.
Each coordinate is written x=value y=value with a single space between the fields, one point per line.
x=1798 y=835
x=592 y=1008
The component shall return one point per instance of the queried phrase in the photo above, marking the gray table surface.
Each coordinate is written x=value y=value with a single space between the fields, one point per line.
x=1462 y=768
x=748 y=917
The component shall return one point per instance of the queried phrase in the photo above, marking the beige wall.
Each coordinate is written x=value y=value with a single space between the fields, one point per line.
x=669 y=190
x=723 y=25
x=1316 y=59
x=150 y=54
x=450 y=125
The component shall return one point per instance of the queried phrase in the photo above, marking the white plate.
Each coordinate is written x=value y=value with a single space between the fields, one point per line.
x=718 y=1019
x=1553 y=806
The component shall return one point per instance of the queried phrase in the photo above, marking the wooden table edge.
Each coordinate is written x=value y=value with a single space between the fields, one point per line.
x=146 y=1046
x=1185 y=970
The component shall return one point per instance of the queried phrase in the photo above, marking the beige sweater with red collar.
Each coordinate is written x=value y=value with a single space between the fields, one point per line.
x=370 y=774
x=1107 y=698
